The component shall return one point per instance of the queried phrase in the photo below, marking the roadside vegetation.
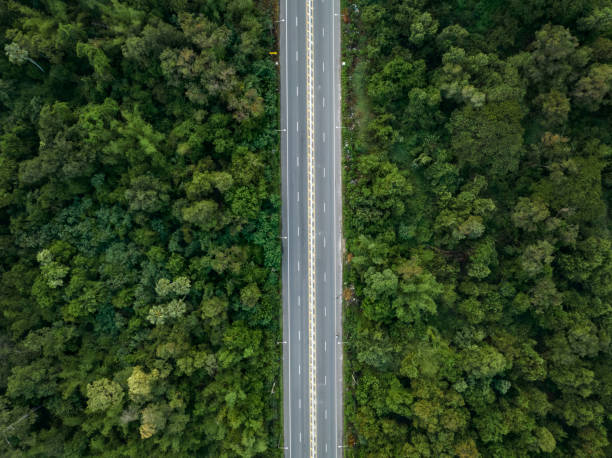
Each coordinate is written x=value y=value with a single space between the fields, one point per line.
x=139 y=221
x=478 y=276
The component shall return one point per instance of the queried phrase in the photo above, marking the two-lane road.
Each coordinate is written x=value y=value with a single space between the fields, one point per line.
x=294 y=219
x=328 y=205
x=312 y=275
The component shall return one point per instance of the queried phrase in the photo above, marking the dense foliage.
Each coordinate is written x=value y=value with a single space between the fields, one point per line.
x=479 y=257
x=139 y=215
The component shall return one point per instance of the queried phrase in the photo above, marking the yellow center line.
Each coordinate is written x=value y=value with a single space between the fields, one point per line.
x=312 y=347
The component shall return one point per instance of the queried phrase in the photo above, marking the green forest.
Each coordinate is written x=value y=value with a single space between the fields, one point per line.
x=478 y=182
x=140 y=213
x=139 y=222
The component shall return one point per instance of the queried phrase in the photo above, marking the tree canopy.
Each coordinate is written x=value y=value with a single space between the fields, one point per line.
x=139 y=214
x=477 y=221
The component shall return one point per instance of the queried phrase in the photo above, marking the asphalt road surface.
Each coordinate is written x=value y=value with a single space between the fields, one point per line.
x=325 y=317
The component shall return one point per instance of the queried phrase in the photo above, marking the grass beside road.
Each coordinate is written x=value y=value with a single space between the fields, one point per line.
x=354 y=112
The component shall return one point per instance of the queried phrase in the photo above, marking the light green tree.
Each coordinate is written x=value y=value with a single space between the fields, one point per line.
x=17 y=55
x=103 y=394
x=53 y=272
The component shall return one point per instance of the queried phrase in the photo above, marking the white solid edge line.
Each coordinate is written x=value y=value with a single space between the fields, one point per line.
x=288 y=249
x=334 y=215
